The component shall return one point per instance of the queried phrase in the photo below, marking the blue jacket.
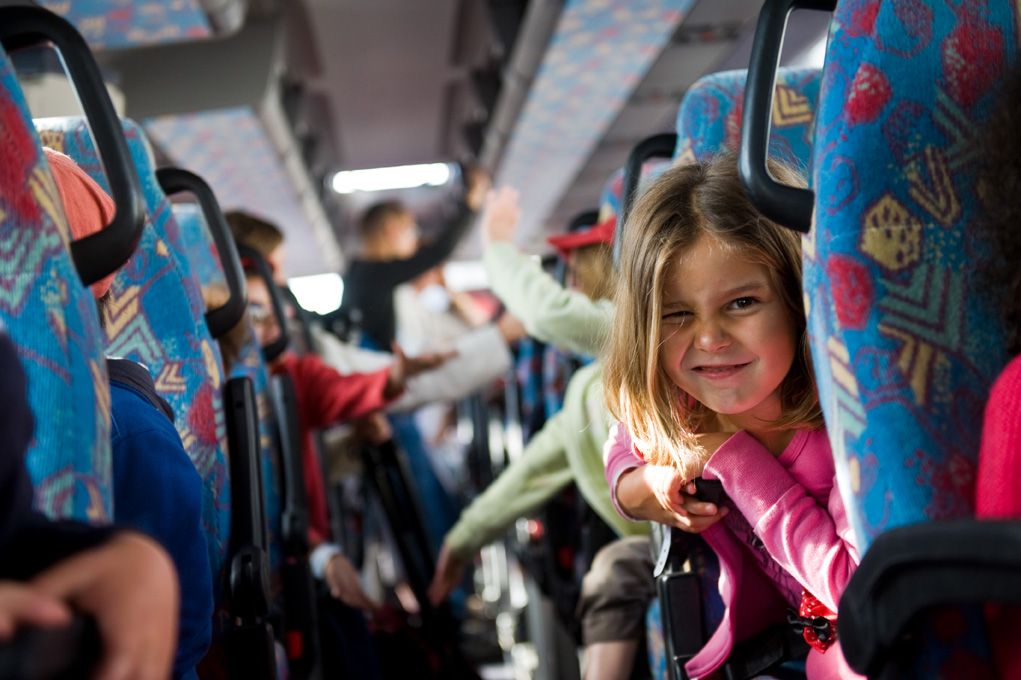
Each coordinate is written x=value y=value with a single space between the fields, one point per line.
x=158 y=491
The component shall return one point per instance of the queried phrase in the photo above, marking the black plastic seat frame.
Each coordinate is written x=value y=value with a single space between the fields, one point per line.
x=300 y=621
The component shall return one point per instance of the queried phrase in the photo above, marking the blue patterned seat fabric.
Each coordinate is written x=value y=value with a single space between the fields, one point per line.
x=709 y=123
x=709 y=120
x=156 y=317
x=198 y=246
x=904 y=343
x=52 y=319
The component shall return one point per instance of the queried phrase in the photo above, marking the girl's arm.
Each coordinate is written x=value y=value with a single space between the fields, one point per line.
x=619 y=457
x=651 y=492
x=810 y=541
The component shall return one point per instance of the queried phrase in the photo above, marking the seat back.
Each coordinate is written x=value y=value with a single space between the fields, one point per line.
x=709 y=120
x=198 y=246
x=52 y=319
x=905 y=344
x=156 y=318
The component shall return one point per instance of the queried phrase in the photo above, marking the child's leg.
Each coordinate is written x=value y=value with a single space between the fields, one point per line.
x=614 y=596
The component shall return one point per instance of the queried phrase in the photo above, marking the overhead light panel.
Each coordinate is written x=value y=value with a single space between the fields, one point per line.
x=399 y=177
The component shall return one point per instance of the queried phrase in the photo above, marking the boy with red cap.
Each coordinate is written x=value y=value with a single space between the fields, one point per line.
x=157 y=489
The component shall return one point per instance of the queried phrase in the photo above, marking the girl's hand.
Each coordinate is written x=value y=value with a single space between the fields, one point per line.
x=654 y=493
x=500 y=216
x=449 y=573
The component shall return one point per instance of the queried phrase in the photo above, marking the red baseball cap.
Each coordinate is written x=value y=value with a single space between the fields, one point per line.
x=88 y=208
x=602 y=232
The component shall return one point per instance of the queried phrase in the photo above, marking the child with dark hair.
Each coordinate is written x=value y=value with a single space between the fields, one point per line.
x=391 y=255
x=156 y=486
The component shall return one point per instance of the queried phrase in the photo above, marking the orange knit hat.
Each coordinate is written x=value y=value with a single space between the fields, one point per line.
x=87 y=206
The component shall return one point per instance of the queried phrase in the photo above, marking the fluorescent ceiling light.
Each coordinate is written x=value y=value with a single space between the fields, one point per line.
x=321 y=293
x=400 y=177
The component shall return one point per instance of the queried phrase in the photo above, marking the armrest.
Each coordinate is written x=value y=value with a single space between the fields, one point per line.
x=912 y=569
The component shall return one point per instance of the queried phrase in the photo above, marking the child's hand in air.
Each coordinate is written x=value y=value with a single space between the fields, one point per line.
x=477 y=183
x=405 y=367
x=500 y=216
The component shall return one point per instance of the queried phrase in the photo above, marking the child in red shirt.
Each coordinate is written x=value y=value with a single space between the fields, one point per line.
x=325 y=398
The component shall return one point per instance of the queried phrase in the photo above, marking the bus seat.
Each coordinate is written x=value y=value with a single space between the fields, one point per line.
x=905 y=343
x=709 y=119
x=157 y=318
x=198 y=246
x=52 y=319
x=708 y=122
x=202 y=252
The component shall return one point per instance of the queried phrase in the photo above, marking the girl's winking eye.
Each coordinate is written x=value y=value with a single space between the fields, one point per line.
x=676 y=317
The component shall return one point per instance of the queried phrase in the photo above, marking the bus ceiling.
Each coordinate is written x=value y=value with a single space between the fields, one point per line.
x=549 y=95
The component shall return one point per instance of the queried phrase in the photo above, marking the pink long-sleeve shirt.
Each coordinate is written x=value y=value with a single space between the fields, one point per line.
x=797 y=537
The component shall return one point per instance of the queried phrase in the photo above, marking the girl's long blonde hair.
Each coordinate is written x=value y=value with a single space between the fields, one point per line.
x=686 y=203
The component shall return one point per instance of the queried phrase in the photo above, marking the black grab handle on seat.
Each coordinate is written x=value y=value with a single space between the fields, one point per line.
x=912 y=569
x=789 y=206
x=295 y=519
x=275 y=348
x=100 y=254
x=226 y=316
x=657 y=146
x=300 y=613
x=248 y=595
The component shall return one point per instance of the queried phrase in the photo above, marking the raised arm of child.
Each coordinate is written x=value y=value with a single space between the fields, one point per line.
x=551 y=313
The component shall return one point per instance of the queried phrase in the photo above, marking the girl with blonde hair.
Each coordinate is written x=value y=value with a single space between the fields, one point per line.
x=708 y=369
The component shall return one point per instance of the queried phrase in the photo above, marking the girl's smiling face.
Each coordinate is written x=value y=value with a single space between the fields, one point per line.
x=726 y=337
